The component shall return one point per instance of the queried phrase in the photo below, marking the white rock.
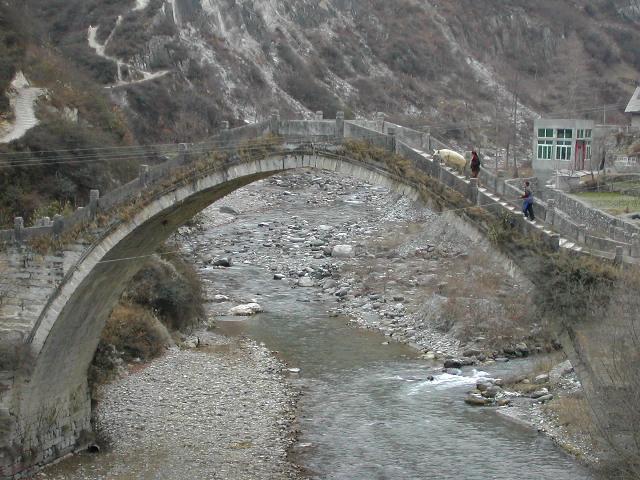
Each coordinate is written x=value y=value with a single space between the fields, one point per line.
x=246 y=310
x=342 y=251
x=305 y=282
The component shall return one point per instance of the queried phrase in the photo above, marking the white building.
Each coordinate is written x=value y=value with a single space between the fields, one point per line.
x=634 y=108
x=561 y=144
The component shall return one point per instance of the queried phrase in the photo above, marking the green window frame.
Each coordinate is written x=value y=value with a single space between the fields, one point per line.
x=565 y=133
x=563 y=150
x=545 y=149
x=545 y=133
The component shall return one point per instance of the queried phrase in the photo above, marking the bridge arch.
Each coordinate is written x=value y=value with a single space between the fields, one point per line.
x=50 y=404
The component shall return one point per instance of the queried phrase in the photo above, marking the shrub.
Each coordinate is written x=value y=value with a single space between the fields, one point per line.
x=171 y=288
x=136 y=332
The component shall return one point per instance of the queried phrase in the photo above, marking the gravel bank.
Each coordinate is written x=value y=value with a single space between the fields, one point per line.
x=219 y=411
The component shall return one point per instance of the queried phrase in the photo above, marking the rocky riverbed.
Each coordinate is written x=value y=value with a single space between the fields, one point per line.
x=223 y=407
x=418 y=277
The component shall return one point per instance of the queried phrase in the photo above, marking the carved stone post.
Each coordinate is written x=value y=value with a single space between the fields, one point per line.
x=499 y=183
x=319 y=115
x=18 y=229
x=58 y=225
x=183 y=153
x=391 y=140
x=582 y=233
x=473 y=190
x=379 y=119
x=274 y=122
x=339 y=124
x=224 y=125
x=551 y=211
x=94 y=196
x=143 y=176
x=635 y=245
x=619 y=255
x=555 y=242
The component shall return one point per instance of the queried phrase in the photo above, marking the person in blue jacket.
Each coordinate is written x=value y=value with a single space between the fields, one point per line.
x=527 y=202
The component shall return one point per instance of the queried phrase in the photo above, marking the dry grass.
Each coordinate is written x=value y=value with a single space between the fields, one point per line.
x=134 y=330
x=573 y=413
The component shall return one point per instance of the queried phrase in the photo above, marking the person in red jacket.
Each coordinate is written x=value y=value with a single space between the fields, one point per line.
x=475 y=164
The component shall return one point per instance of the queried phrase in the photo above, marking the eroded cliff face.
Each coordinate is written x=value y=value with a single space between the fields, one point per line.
x=180 y=67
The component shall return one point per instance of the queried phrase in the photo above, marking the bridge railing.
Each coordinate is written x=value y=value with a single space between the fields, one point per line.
x=404 y=141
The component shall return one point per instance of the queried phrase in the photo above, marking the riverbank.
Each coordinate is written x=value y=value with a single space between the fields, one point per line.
x=221 y=410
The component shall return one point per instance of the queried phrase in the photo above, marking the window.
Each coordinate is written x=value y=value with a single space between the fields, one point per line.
x=588 y=151
x=563 y=150
x=583 y=133
x=565 y=133
x=545 y=133
x=545 y=149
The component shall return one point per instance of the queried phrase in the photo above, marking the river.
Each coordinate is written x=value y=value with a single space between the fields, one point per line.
x=369 y=411
x=371 y=408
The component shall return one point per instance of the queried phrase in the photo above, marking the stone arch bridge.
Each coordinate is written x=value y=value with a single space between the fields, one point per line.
x=59 y=280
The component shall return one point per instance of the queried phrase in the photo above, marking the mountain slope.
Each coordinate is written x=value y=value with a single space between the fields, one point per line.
x=149 y=71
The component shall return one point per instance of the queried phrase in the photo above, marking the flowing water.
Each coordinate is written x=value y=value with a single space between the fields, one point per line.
x=369 y=411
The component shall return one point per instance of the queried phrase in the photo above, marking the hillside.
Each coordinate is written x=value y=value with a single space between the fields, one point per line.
x=150 y=71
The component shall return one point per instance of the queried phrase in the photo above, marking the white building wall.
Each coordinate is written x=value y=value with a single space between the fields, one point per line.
x=544 y=167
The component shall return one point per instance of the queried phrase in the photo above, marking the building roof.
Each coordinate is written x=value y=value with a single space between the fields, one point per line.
x=634 y=103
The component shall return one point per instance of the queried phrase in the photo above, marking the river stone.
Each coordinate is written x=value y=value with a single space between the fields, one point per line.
x=545 y=398
x=220 y=298
x=492 y=391
x=540 y=393
x=472 y=353
x=305 y=282
x=484 y=384
x=229 y=211
x=476 y=400
x=560 y=371
x=453 y=363
x=342 y=251
x=343 y=292
x=246 y=310
x=522 y=349
x=543 y=378
x=453 y=371
x=222 y=262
